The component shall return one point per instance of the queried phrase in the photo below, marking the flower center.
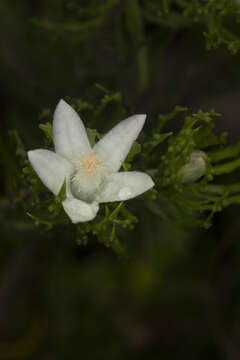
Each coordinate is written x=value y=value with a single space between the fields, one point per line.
x=89 y=164
x=87 y=178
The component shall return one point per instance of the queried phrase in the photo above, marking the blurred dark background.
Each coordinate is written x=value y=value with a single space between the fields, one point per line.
x=178 y=296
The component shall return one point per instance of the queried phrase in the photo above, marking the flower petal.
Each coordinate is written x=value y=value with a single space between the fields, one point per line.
x=80 y=211
x=125 y=185
x=69 y=134
x=113 y=148
x=51 y=168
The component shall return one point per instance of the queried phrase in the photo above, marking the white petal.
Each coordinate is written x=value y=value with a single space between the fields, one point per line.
x=125 y=185
x=51 y=168
x=69 y=134
x=116 y=144
x=80 y=211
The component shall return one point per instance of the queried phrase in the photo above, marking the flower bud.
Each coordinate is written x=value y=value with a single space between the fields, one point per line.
x=194 y=169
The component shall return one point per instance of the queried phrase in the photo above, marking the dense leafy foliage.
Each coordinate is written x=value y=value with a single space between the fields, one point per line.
x=162 y=154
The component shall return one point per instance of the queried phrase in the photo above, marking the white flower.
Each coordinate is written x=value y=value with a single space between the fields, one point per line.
x=91 y=174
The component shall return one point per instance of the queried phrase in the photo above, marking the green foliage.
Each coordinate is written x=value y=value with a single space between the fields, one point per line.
x=216 y=17
x=135 y=27
x=83 y=21
x=47 y=129
x=106 y=100
x=186 y=202
x=157 y=137
x=136 y=149
x=216 y=13
x=218 y=22
x=93 y=136
x=164 y=155
x=45 y=210
x=105 y=227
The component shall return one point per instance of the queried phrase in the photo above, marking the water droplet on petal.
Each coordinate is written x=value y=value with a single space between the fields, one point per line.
x=124 y=193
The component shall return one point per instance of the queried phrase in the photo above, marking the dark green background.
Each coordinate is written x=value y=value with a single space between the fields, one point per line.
x=178 y=296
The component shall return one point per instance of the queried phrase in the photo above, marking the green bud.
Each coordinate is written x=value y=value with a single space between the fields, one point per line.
x=194 y=169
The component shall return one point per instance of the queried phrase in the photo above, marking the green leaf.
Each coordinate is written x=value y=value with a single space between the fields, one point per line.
x=156 y=209
x=163 y=119
x=15 y=138
x=227 y=152
x=47 y=224
x=222 y=189
x=93 y=136
x=135 y=149
x=56 y=205
x=154 y=141
x=46 y=114
x=226 y=167
x=47 y=129
x=106 y=100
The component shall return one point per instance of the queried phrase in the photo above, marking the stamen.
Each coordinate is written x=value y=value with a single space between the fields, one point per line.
x=88 y=163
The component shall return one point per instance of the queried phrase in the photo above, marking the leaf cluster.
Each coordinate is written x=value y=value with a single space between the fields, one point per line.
x=218 y=19
x=162 y=154
x=194 y=203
